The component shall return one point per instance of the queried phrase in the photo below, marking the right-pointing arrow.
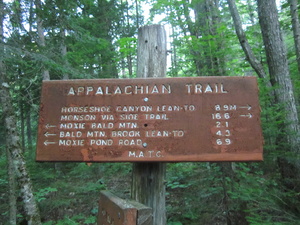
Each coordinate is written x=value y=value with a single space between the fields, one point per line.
x=249 y=115
x=248 y=107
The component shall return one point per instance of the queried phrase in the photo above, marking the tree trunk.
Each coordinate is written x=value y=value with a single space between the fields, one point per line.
x=40 y=31
x=207 y=20
x=137 y=14
x=148 y=178
x=296 y=28
x=13 y=144
x=18 y=161
x=22 y=120
x=28 y=127
x=63 y=51
x=279 y=74
x=174 y=54
x=256 y=65
x=12 y=198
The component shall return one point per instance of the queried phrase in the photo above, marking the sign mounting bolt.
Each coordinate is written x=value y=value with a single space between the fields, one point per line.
x=145 y=145
x=146 y=99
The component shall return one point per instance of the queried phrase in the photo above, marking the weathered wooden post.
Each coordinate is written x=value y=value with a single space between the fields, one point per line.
x=148 y=178
x=117 y=211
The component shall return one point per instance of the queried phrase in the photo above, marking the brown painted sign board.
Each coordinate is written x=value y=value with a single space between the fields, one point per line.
x=161 y=119
x=117 y=211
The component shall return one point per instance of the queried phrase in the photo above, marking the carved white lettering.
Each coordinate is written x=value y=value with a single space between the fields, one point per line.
x=101 y=142
x=208 y=89
x=128 y=125
x=142 y=154
x=68 y=134
x=71 y=91
x=118 y=90
x=71 y=143
x=130 y=108
x=77 y=117
x=89 y=90
x=130 y=142
x=107 y=117
x=129 y=117
x=74 y=109
x=205 y=88
x=99 y=91
x=178 y=133
x=85 y=109
x=100 y=109
x=157 y=133
x=168 y=108
x=125 y=133
x=96 y=133
x=128 y=90
x=72 y=126
x=102 y=125
x=153 y=116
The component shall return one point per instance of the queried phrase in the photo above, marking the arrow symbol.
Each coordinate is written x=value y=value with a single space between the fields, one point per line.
x=48 y=126
x=249 y=115
x=47 y=134
x=248 y=107
x=49 y=143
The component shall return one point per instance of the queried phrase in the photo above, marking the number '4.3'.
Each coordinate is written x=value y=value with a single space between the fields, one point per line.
x=225 y=133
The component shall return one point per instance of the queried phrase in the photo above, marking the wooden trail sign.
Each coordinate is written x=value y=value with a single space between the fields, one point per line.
x=161 y=119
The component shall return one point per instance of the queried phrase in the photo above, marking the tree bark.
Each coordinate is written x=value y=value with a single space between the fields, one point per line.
x=18 y=161
x=13 y=143
x=148 y=178
x=207 y=20
x=28 y=126
x=40 y=31
x=22 y=120
x=296 y=29
x=12 y=197
x=279 y=73
x=256 y=65
x=62 y=35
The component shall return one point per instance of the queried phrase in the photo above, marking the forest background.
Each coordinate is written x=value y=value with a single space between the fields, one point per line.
x=87 y=39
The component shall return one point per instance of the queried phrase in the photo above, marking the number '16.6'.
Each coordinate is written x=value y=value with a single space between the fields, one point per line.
x=219 y=116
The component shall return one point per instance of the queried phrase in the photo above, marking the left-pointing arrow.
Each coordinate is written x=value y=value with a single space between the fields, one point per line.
x=49 y=143
x=48 y=126
x=47 y=134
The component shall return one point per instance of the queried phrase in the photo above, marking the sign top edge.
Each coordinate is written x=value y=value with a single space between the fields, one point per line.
x=148 y=78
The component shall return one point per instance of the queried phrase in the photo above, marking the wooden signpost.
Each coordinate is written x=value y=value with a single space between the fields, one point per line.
x=150 y=120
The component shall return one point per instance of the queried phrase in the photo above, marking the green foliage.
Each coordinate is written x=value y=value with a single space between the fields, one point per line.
x=239 y=189
x=174 y=223
x=100 y=37
x=75 y=220
x=128 y=46
x=42 y=193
